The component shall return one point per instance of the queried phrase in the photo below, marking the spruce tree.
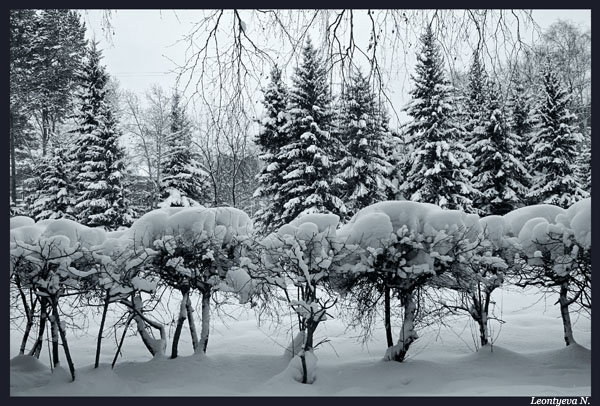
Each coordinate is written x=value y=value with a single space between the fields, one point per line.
x=363 y=131
x=498 y=171
x=520 y=118
x=270 y=140
x=98 y=159
x=308 y=160
x=54 y=197
x=184 y=182
x=555 y=144
x=437 y=165
x=475 y=100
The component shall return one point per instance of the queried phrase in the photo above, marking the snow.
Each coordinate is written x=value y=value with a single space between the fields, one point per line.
x=528 y=358
x=20 y=221
x=516 y=219
x=580 y=215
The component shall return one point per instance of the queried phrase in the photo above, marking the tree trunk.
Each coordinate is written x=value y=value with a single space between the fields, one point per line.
x=204 y=332
x=63 y=337
x=192 y=324
x=566 y=317
x=121 y=341
x=185 y=292
x=29 y=313
x=387 y=317
x=54 y=332
x=408 y=334
x=156 y=347
x=101 y=330
x=39 y=342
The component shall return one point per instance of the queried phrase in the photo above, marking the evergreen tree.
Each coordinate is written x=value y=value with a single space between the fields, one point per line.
x=270 y=140
x=584 y=162
x=98 y=159
x=184 y=182
x=54 y=197
x=475 y=99
x=308 y=160
x=499 y=173
x=364 y=167
x=555 y=144
x=437 y=165
x=520 y=117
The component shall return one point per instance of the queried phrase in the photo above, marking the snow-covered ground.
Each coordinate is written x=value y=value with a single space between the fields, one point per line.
x=528 y=358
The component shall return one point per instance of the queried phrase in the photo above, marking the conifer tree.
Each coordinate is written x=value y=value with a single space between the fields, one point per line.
x=437 y=165
x=555 y=144
x=498 y=171
x=184 y=182
x=475 y=99
x=99 y=165
x=270 y=140
x=54 y=197
x=308 y=160
x=363 y=131
x=520 y=116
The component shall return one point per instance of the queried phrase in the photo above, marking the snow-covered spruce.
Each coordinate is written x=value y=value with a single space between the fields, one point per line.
x=362 y=128
x=99 y=166
x=294 y=265
x=53 y=197
x=437 y=165
x=555 y=147
x=184 y=182
x=270 y=140
x=198 y=249
x=499 y=172
x=307 y=161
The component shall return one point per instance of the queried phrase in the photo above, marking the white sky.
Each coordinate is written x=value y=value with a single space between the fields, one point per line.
x=146 y=43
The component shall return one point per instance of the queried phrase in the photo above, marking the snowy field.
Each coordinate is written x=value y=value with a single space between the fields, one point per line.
x=528 y=358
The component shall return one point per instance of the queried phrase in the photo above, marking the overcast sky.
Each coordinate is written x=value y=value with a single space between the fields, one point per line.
x=145 y=45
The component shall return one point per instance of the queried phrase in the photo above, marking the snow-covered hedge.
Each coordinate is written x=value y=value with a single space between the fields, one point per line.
x=401 y=246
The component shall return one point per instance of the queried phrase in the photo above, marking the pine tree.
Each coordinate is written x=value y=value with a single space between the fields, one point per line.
x=98 y=159
x=184 y=182
x=555 y=144
x=499 y=174
x=363 y=131
x=270 y=140
x=437 y=166
x=54 y=197
x=308 y=160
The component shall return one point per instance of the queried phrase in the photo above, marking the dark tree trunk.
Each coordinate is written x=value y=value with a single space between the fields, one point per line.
x=180 y=320
x=566 y=317
x=63 y=337
x=387 y=317
x=121 y=341
x=29 y=314
x=192 y=324
x=37 y=346
x=101 y=330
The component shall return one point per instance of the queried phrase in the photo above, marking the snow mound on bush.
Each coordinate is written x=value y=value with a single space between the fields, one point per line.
x=189 y=223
